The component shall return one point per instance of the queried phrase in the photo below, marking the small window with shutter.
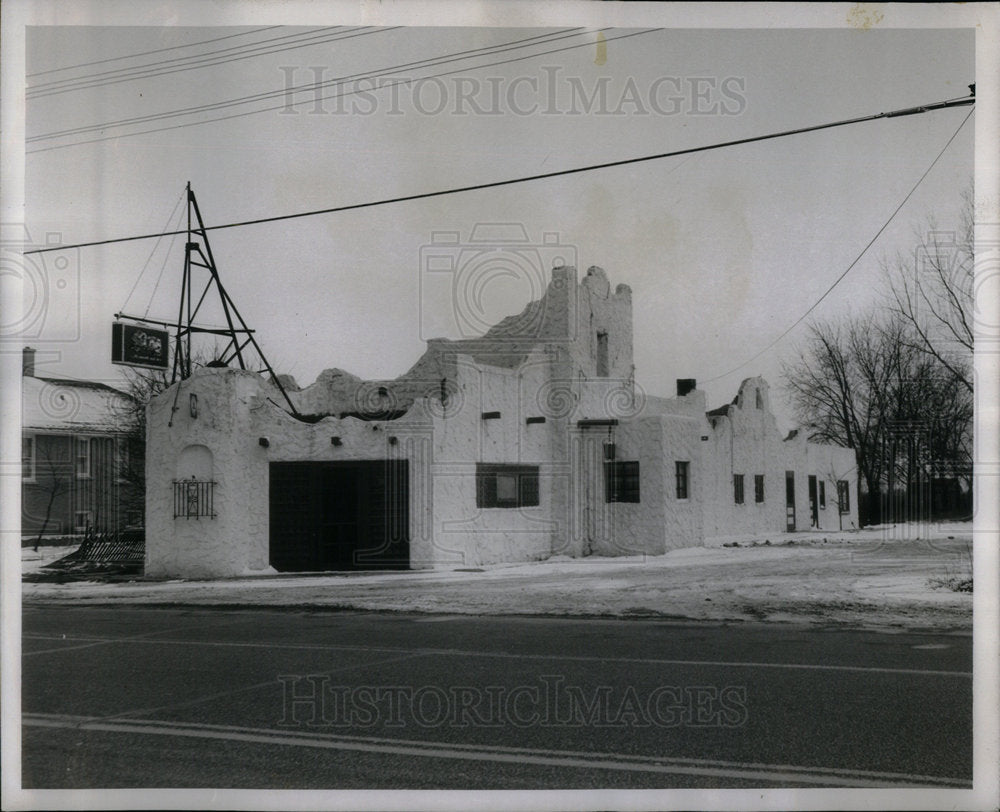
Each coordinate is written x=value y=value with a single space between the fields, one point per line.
x=500 y=485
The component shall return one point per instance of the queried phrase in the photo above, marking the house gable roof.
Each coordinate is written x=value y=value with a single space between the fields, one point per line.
x=52 y=404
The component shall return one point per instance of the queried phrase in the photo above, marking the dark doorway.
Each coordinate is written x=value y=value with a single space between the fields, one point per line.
x=789 y=501
x=339 y=515
x=813 y=502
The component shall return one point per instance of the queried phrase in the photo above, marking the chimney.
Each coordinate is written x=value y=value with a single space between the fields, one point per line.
x=686 y=386
x=28 y=362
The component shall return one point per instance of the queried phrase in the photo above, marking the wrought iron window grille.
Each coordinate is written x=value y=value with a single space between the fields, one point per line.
x=194 y=499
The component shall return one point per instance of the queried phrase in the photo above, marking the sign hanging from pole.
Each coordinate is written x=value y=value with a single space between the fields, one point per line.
x=139 y=346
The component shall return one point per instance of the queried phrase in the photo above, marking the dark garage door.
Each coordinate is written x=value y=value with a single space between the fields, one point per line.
x=339 y=515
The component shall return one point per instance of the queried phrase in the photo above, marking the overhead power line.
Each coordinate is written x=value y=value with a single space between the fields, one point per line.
x=149 y=53
x=313 y=87
x=857 y=259
x=314 y=100
x=181 y=59
x=197 y=61
x=908 y=111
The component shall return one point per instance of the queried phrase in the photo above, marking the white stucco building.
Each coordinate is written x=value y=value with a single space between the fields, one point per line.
x=531 y=441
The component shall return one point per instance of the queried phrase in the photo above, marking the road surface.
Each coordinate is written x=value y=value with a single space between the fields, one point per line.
x=187 y=697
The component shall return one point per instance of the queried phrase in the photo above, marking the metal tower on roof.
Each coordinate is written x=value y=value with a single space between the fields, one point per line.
x=195 y=290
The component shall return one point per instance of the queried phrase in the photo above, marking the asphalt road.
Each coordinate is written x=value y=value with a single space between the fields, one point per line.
x=132 y=697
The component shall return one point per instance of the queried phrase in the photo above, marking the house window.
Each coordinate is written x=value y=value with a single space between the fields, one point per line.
x=133 y=518
x=621 y=481
x=844 y=495
x=121 y=450
x=28 y=459
x=681 y=471
x=82 y=521
x=759 y=399
x=194 y=499
x=738 y=488
x=758 y=488
x=822 y=495
x=506 y=486
x=602 y=355
x=83 y=458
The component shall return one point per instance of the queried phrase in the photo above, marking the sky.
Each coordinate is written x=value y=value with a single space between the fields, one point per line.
x=724 y=250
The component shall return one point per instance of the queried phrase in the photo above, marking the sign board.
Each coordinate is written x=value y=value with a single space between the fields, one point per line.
x=139 y=346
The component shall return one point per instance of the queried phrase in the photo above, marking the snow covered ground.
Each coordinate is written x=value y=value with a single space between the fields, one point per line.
x=888 y=578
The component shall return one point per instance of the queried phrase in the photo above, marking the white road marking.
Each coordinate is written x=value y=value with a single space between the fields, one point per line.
x=92 y=641
x=773 y=773
x=248 y=688
x=513 y=656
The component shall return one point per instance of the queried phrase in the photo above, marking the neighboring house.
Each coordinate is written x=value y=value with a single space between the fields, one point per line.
x=530 y=441
x=73 y=454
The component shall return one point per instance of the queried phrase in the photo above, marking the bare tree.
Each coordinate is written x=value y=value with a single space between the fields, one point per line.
x=865 y=384
x=933 y=292
x=141 y=385
x=832 y=393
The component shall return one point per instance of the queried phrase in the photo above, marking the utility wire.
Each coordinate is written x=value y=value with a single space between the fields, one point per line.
x=149 y=53
x=201 y=61
x=539 y=39
x=909 y=111
x=339 y=95
x=149 y=259
x=181 y=59
x=857 y=259
x=163 y=267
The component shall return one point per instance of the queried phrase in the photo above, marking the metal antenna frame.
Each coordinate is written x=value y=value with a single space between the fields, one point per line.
x=198 y=253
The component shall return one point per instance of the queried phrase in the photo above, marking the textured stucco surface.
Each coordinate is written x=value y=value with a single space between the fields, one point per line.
x=468 y=402
x=745 y=440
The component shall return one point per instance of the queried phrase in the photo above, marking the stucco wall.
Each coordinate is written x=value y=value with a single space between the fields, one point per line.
x=234 y=412
x=829 y=464
x=468 y=535
x=599 y=309
x=745 y=441
x=684 y=518
x=613 y=528
x=231 y=543
x=469 y=402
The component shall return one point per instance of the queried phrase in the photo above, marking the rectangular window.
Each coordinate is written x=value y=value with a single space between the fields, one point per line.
x=822 y=495
x=121 y=463
x=133 y=518
x=621 y=481
x=844 y=495
x=82 y=521
x=758 y=488
x=758 y=399
x=738 y=488
x=28 y=459
x=602 y=355
x=506 y=486
x=83 y=457
x=681 y=472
